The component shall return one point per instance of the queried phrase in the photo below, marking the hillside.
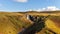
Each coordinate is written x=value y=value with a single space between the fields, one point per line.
x=14 y=22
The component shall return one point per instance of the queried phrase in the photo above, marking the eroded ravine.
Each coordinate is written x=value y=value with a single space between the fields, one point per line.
x=37 y=26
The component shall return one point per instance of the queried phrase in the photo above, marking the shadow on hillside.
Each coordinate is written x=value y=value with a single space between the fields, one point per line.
x=38 y=25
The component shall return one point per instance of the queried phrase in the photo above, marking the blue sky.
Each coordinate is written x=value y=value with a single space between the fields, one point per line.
x=22 y=5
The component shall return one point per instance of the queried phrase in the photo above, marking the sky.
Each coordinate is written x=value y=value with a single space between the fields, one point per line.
x=23 y=5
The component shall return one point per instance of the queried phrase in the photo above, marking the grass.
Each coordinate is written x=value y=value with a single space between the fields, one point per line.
x=12 y=23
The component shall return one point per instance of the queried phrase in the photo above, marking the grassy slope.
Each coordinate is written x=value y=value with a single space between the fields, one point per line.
x=54 y=24
x=12 y=23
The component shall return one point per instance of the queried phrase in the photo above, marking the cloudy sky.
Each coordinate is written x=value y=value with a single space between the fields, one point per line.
x=23 y=5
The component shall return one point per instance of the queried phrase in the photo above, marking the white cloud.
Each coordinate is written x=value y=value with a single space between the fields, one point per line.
x=53 y=8
x=49 y=8
x=20 y=0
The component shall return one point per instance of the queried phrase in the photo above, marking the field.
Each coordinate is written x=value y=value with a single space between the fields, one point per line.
x=14 y=22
